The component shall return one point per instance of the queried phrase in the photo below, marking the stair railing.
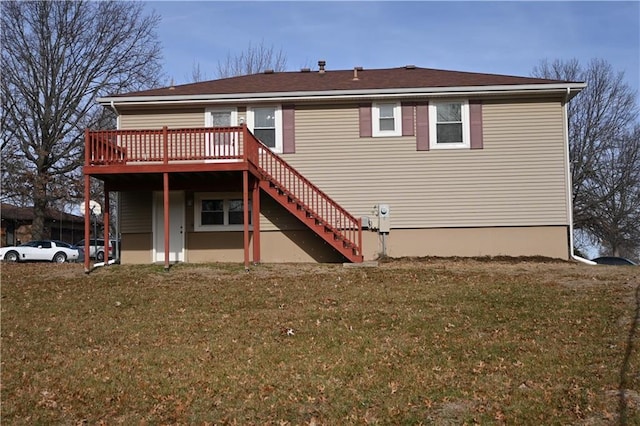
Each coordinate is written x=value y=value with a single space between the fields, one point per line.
x=302 y=191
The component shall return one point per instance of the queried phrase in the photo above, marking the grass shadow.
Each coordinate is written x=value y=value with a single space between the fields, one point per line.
x=623 y=406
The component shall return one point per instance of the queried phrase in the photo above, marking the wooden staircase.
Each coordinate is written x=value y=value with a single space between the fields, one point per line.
x=304 y=200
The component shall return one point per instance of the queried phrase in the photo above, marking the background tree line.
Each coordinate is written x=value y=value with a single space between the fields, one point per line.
x=57 y=57
x=604 y=152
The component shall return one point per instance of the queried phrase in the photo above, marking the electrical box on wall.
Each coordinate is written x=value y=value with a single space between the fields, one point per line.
x=384 y=218
x=366 y=223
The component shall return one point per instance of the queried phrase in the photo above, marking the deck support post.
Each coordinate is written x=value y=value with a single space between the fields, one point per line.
x=165 y=185
x=105 y=221
x=87 y=223
x=256 y=220
x=245 y=211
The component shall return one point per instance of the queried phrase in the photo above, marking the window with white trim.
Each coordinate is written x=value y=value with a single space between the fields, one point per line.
x=224 y=143
x=266 y=124
x=220 y=117
x=386 y=119
x=449 y=125
x=216 y=211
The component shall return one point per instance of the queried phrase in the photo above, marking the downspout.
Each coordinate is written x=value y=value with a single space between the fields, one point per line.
x=570 y=184
x=116 y=255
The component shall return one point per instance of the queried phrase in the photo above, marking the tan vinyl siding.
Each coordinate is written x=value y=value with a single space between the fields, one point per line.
x=548 y=241
x=156 y=119
x=215 y=247
x=304 y=246
x=518 y=179
x=275 y=217
x=288 y=246
x=137 y=248
x=135 y=212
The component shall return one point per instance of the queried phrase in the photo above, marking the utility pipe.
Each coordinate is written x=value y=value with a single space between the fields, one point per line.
x=570 y=184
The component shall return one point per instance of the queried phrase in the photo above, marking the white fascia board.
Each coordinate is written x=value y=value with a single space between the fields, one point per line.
x=574 y=88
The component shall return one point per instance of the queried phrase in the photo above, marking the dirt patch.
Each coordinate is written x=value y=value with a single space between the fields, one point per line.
x=503 y=259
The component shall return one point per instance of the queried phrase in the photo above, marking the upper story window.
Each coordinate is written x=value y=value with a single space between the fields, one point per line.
x=386 y=119
x=224 y=143
x=266 y=125
x=449 y=124
x=221 y=117
x=219 y=212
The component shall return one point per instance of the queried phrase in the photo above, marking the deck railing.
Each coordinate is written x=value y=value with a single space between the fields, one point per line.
x=108 y=147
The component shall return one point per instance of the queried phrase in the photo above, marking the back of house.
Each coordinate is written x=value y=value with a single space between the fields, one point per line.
x=334 y=166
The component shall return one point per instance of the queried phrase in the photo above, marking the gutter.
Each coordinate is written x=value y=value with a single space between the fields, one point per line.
x=573 y=256
x=572 y=89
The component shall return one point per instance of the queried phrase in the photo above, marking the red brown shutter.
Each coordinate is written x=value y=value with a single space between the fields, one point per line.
x=422 y=126
x=365 y=121
x=288 y=129
x=407 y=119
x=475 y=113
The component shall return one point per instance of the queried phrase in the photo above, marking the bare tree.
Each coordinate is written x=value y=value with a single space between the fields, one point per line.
x=12 y=189
x=57 y=57
x=618 y=186
x=600 y=118
x=254 y=59
x=197 y=74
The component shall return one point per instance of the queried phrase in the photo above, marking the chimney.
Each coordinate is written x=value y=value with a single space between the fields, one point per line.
x=355 y=72
x=321 y=65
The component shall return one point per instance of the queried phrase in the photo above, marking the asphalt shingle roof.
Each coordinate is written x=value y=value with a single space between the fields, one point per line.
x=313 y=81
x=11 y=212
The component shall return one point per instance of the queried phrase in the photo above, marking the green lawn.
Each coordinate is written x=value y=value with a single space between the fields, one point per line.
x=431 y=341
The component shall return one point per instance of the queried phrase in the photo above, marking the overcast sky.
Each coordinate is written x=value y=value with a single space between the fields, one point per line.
x=491 y=37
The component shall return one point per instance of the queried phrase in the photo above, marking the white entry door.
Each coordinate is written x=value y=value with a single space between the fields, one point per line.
x=176 y=226
x=222 y=144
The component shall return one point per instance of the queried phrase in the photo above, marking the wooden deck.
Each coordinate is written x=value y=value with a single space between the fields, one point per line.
x=113 y=153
